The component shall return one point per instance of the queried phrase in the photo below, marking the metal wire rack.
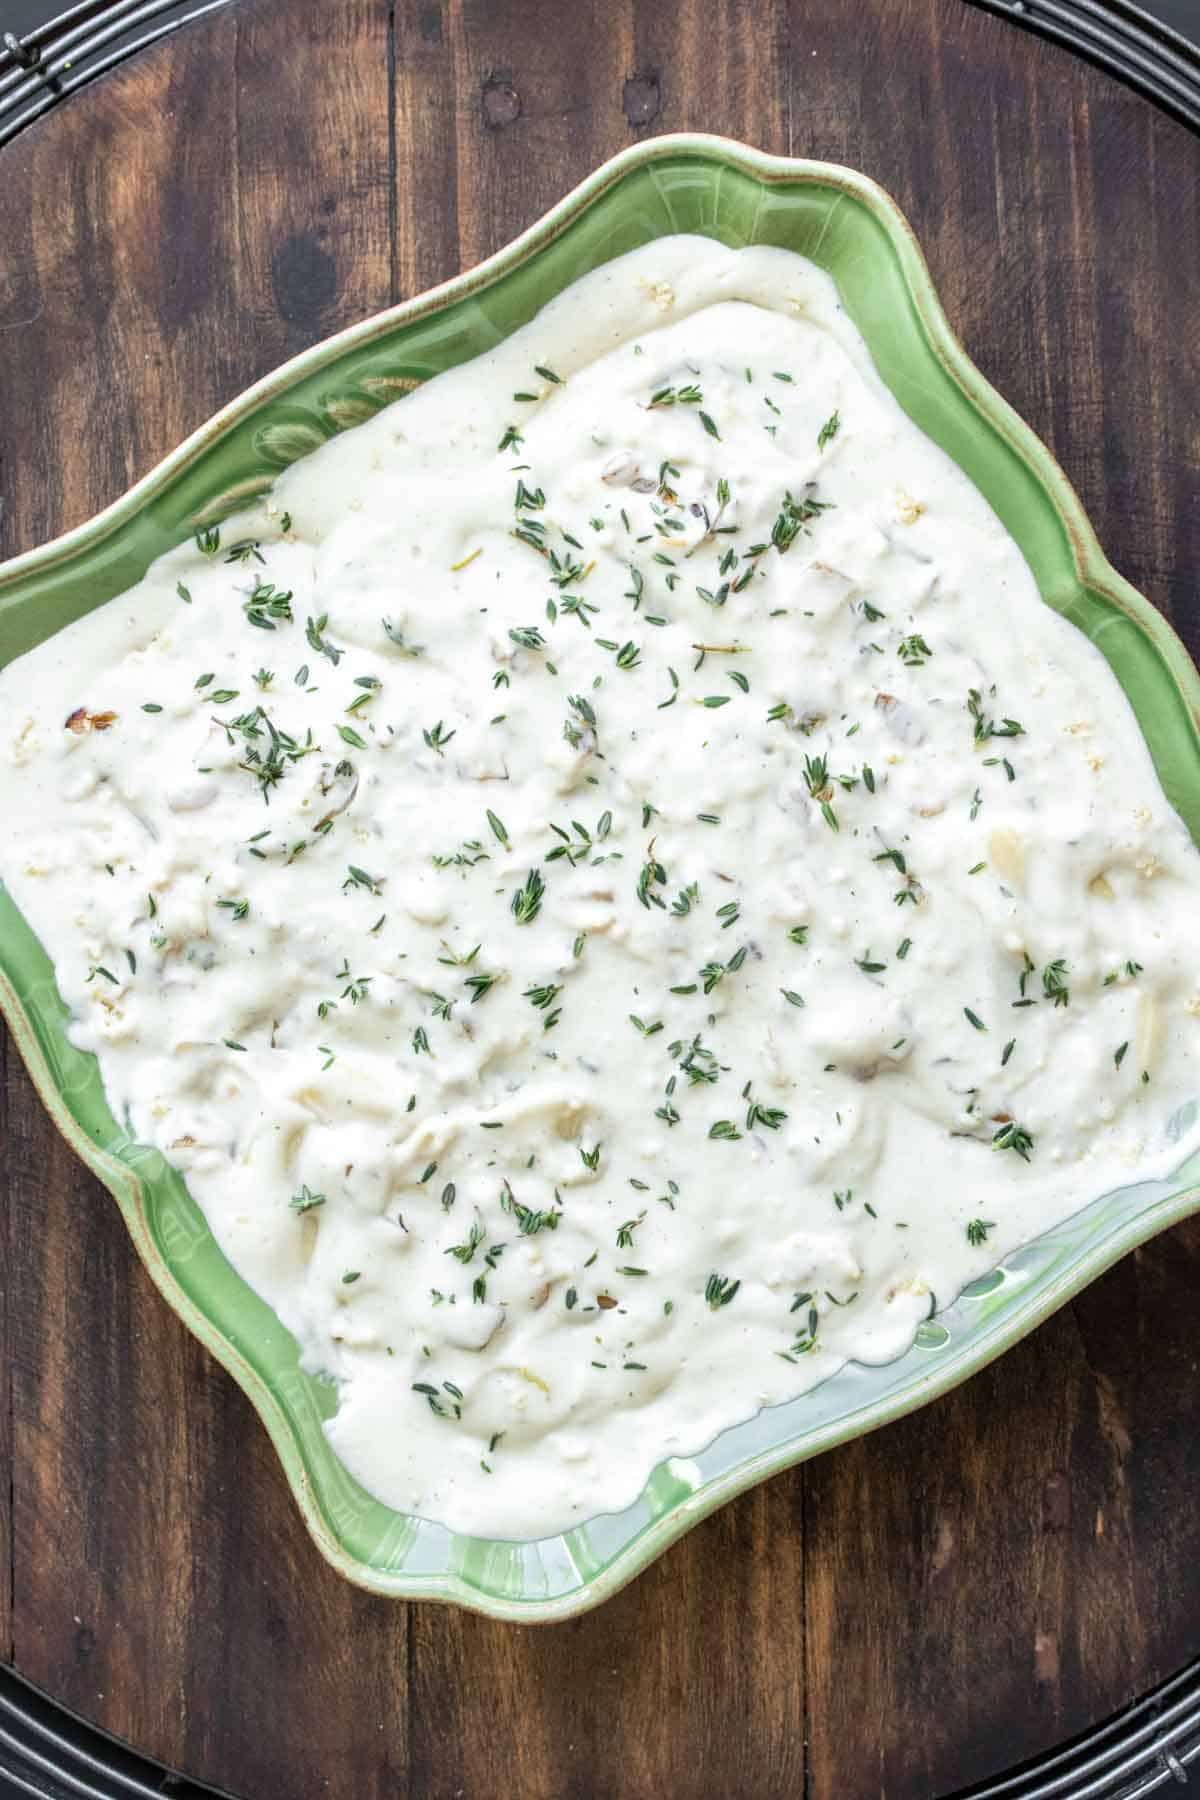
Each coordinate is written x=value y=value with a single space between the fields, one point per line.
x=54 y=60
x=1122 y=38
x=1153 y=1747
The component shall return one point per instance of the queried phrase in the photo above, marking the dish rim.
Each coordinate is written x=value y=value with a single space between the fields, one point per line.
x=1093 y=572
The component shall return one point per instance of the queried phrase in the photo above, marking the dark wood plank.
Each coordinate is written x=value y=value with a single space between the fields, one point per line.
x=536 y=105
x=212 y=208
x=14 y=1115
x=979 y=1577
x=689 y=1683
x=959 y=1590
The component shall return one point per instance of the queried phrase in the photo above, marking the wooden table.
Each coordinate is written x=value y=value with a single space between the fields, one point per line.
x=951 y=1595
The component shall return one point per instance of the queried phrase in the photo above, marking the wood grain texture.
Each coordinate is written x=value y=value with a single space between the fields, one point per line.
x=895 y=1619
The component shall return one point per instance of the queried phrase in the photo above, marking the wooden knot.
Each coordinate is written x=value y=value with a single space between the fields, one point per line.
x=642 y=98
x=499 y=100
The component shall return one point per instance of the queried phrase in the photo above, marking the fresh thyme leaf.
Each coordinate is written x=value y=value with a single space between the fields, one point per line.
x=670 y=396
x=313 y=632
x=543 y=997
x=527 y=900
x=528 y=499
x=529 y=1221
x=985 y=728
x=772 y=1117
x=437 y=739
x=652 y=875
x=869 y=967
x=465 y=1252
x=359 y=878
x=267 y=605
x=1054 y=986
x=794 y=517
x=246 y=550
x=914 y=651
x=1012 y=1136
x=395 y=636
x=305 y=1200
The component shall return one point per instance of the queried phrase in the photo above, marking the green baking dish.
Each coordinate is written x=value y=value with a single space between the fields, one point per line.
x=852 y=229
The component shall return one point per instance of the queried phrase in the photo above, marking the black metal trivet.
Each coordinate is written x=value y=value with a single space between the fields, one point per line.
x=42 y=65
x=1153 y=1746
x=1141 y=47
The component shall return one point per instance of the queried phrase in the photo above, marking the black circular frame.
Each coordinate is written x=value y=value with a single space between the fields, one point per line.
x=46 y=1753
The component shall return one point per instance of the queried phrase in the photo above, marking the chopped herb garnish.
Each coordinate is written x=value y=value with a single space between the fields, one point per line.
x=436 y=738
x=313 y=632
x=1054 y=985
x=914 y=651
x=829 y=429
x=305 y=1200
x=794 y=517
x=985 y=727
x=1012 y=1136
x=527 y=900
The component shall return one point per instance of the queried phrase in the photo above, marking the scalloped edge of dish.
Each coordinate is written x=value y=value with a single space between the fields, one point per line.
x=1094 y=575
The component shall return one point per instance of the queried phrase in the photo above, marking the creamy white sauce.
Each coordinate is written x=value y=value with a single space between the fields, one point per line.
x=545 y=1209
